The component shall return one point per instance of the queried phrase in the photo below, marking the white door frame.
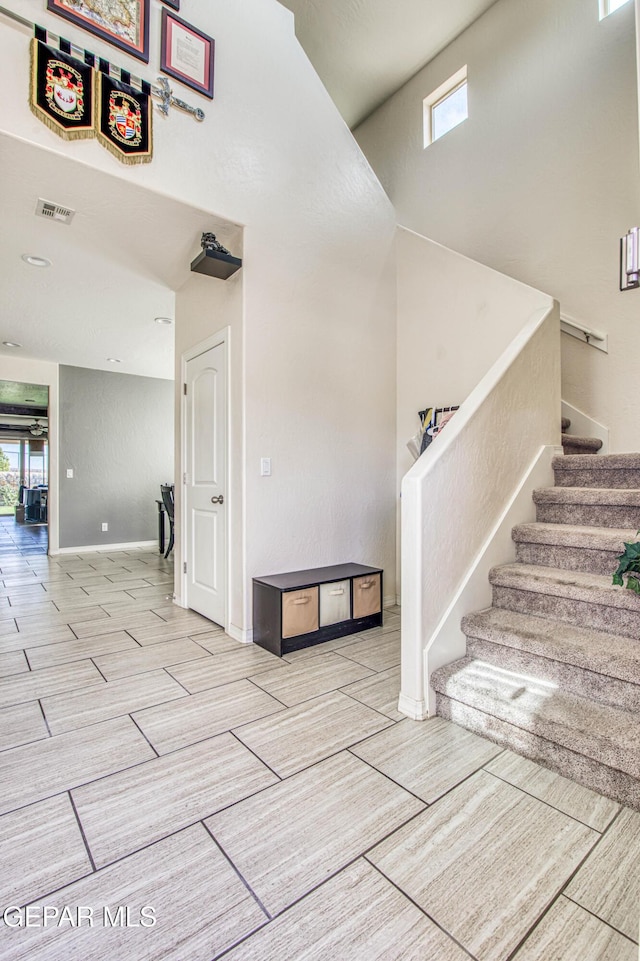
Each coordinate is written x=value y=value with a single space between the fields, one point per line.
x=222 y=336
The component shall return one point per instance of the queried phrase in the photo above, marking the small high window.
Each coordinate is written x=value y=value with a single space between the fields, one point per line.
x=446 y=107
x=610 y=6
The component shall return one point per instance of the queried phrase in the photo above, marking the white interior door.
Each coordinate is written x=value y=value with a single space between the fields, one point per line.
x=205 y=483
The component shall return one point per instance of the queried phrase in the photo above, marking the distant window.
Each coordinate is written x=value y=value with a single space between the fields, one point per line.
x=610 y=6
x=445 y=107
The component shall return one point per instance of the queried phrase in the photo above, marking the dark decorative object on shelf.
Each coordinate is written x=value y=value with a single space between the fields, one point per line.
x=210 y=242
x=215 y=260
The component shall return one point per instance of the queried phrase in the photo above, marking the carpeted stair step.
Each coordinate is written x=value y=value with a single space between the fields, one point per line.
x=565 y=424
x=596 y=507
x=554 y=730
x=604 y=667
x=587 y=600
x=571 y=547
x=604 y=734
x=572 y=444
x=593 y=470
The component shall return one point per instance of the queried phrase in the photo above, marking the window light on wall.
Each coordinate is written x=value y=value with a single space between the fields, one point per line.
x=446 y=107
x=610 y=6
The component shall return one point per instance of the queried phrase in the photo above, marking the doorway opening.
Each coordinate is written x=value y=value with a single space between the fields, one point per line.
x=24 y=465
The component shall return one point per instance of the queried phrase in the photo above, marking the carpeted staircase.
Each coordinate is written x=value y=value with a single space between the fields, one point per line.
x=572 y=444
x=553 y=668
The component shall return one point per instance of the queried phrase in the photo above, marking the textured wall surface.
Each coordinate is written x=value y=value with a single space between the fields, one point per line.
x=116 y=433
x=318 y=311
x=455 y=317
x=541 y=181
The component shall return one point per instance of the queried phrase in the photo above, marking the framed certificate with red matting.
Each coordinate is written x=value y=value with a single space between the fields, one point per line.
x=187 y=54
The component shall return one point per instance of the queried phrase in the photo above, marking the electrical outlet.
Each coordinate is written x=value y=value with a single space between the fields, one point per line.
x=105 y=526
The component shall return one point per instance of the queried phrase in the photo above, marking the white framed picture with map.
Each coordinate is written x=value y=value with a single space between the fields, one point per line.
x=124 y=23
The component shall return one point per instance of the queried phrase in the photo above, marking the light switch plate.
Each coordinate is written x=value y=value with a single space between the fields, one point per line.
x=69 y=471
x=265 y=467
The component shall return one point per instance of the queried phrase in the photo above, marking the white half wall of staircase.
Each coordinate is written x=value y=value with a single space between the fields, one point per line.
x=474 y=593
x=457 y=493
x=455 y=318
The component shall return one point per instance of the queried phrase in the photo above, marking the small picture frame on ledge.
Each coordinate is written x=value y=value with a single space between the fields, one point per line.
x=174 y=4
x=187 y=54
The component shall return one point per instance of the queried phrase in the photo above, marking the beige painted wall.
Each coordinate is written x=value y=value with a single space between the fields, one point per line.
x=318 y=313
x=541 y=181
x=637 y=4
x=455 y=317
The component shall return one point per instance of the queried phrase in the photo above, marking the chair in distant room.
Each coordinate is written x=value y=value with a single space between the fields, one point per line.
x=167 y=499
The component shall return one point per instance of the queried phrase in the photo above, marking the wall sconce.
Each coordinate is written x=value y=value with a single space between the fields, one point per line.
x=630 y=260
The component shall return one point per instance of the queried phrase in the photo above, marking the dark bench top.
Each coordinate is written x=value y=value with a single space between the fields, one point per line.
x=317 y=575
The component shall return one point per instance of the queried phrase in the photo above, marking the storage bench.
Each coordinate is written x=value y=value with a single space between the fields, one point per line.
x=302 y=608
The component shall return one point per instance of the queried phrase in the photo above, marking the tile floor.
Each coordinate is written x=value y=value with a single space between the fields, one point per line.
x=154 y=770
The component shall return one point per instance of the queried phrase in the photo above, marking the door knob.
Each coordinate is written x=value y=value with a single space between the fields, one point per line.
x=217 y=500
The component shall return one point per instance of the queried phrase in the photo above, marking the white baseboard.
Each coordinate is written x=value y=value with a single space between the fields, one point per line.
x=106 y=548
x=447 y=642
x=238 y=634
x=416 y=710
x=584 y=426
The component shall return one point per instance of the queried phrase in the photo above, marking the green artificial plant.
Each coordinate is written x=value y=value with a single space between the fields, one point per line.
x=629 y=565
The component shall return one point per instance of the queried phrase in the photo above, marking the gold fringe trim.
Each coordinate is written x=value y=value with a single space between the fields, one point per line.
x=82 y=133
x=129 y=159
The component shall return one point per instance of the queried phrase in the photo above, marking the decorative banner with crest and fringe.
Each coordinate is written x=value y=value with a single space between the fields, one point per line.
x=78 y=97
x=61 y=92
x=124 y=120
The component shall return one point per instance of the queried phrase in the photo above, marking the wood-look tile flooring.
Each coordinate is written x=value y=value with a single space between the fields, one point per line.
x=153 y=769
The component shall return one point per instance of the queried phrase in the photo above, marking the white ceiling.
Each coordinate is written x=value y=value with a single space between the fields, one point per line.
x=116 y=267
x=364 y=50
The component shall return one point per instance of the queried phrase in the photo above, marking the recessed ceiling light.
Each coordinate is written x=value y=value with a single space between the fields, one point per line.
x=34 y=261
x=9 y=343
x=114 y=360
x=163 y=321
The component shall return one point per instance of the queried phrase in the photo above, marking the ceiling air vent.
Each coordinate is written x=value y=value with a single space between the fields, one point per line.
x=51 y=211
